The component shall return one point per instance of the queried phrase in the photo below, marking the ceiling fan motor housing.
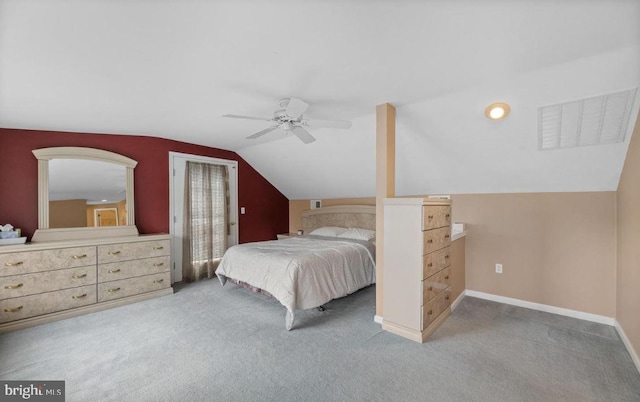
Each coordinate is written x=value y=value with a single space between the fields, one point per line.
x=281 y=115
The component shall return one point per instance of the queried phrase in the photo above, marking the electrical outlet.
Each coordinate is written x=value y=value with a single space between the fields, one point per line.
x=242 y=211
x=498 y=268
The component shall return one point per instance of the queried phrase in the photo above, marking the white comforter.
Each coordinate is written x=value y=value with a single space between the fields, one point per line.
x=302 y=272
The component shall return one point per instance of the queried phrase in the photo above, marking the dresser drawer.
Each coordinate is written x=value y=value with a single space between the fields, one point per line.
x=436 y=216
x=436 y=239
x=436 y=261
x=133 y=286
x=129 y=269
x=30 y=284
x=44 y=303
x=435 y=284
x=132 y=251
x=435 y=307
x=46 y=260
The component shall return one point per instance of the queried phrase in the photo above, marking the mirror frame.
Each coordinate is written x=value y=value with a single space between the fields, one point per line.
x=44 y=233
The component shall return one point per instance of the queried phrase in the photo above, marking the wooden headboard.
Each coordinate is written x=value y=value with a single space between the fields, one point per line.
x=346 y=216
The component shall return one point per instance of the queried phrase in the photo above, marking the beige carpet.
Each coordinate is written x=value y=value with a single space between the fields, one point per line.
x=213 y=343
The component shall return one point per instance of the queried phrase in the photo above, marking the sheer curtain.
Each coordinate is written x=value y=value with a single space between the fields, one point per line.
x=206 y=219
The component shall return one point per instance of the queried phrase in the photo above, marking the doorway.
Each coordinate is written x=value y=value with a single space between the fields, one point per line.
x=105 y=216
x=177 y=166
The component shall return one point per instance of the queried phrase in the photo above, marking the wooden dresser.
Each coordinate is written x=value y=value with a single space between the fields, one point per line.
x=43 y=282
x=416 y=266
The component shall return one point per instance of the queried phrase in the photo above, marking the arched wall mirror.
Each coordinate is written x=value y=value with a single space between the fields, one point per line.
x=84 y=193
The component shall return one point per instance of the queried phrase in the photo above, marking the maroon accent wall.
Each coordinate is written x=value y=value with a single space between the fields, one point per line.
x=267 y=208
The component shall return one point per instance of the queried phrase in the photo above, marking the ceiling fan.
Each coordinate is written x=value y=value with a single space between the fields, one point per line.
x=290 y=119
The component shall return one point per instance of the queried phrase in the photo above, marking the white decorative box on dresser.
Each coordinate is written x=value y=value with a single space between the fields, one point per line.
x=417 y=277
x=43 y=282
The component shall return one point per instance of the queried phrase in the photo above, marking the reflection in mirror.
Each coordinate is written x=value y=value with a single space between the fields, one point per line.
x=105 y=217
x=81 y=191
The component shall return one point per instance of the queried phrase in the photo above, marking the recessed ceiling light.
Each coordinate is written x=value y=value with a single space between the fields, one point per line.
x=104 y=200
x=497 y=111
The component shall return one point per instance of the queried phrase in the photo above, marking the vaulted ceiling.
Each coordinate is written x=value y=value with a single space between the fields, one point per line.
x=171 y=68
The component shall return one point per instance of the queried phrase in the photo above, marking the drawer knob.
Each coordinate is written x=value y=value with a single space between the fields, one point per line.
x=158 y=248
x=446 y=297
x=13 y=310
x=446 y=277
x=430 y=265
x=113 y=271
x=430 y=288
x=14 y=286
x=77 y=257
x=79 y=296
x=114 y=290
x=158 y=264
x=430 y=241
x=446 y=257
x=429 y=216
x=13 y=264
x=447 y=236
x=447 y=215
x=79 y=276
x=114 y=252
x=430 y=312
x=158 y=281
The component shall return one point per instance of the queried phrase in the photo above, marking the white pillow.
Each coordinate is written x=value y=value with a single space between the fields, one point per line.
x=330 y=231
x=358 y=234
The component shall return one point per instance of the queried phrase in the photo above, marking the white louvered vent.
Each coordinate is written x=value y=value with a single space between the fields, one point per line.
x=592 y=121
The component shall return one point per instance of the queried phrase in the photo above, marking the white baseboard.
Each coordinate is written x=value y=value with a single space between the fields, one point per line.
x=549 y=309
x=458 y=300
x=600 y=319
x=627 y=343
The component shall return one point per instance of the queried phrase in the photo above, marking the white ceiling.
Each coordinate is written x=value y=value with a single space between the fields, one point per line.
x=171 y=68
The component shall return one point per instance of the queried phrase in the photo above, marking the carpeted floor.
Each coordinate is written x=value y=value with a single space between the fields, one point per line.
x=213 y=343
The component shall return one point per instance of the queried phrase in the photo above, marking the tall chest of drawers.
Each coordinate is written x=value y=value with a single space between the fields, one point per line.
x=416 y=266
x=43 y=282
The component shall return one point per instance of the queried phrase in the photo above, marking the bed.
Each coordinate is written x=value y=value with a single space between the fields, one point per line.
x=305 y=272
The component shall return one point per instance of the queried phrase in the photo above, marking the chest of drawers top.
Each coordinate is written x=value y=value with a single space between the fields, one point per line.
x=52 y=245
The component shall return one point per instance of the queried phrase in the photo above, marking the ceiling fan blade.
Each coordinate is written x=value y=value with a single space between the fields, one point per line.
x=237 y=116
x=326 y=123
x=303 y=134
x=296 y=107
x=263 y=132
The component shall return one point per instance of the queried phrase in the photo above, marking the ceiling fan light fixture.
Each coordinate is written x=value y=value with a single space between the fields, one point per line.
x=497 y=111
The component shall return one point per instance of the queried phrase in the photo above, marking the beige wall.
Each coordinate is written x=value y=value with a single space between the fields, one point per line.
x=556 y=248
x=67 y=214
x=297 y=207
x=628 y=269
